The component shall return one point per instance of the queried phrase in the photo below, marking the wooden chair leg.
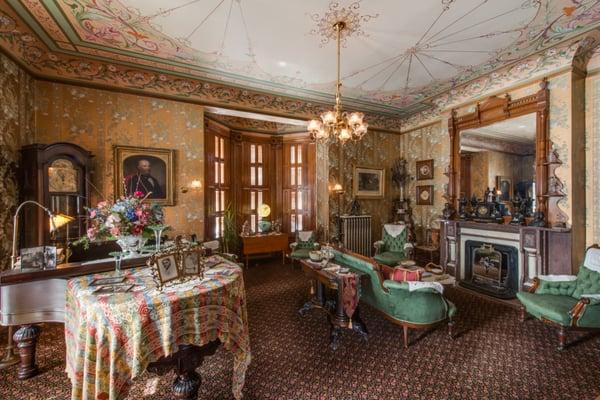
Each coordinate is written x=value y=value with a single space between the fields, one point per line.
x=562 y=338
x=405 y=329
x=451 y=328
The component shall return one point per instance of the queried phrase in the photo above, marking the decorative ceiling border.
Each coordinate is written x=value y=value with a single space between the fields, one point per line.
x=22 y=44
x=254 y=125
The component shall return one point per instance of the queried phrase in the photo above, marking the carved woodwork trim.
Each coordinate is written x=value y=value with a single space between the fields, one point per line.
x=496 y=109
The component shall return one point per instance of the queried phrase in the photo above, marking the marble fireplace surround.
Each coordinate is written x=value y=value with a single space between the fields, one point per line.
x=541 y=251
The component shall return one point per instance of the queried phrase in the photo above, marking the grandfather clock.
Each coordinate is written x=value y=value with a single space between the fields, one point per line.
x=56 y=175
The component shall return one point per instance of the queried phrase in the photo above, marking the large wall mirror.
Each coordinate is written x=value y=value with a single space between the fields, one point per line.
x=501 y=153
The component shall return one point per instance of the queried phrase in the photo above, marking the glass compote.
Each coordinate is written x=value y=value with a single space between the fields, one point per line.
x=158 y=230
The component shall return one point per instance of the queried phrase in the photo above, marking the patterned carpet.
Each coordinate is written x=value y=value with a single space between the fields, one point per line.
x=493 y=357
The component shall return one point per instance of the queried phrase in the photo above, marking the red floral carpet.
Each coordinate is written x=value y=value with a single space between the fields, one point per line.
x=493 y=357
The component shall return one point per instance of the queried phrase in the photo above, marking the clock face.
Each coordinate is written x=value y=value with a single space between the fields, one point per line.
x=482 y=210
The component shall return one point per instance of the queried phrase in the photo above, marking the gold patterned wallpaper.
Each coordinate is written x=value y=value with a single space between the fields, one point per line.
x=98 y=119
x=592 y=182
x=15 y=130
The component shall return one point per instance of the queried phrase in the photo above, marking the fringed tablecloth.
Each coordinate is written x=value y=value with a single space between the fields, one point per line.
x=111 y=338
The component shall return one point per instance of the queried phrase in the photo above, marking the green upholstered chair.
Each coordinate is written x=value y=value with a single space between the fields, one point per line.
x=394 y=245
x=417 y=305
x=306 y=241
x=567 y=301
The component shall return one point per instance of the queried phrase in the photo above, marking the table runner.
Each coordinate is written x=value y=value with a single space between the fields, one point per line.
x=111 y=339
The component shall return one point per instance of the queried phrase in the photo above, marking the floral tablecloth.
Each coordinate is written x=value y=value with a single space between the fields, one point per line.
x=111 y=338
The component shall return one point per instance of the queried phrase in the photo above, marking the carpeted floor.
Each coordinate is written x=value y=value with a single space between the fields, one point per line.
x=493 y=357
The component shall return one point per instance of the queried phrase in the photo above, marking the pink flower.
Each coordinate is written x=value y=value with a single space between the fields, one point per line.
x=91 y=233
x=114 y=231
x=93 y=214
x=138 y=194
x=139 y=212
x=102 y=204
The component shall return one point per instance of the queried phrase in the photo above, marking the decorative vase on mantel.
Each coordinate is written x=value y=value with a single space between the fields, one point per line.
x=131 y=245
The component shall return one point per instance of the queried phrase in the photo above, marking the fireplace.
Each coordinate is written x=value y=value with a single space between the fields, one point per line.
x=491 y=268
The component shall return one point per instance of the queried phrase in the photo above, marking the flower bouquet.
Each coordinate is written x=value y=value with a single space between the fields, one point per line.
x=129 y=221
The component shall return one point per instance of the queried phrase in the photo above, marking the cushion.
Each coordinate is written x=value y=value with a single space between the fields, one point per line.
x=300 y=253
x=559 y=288
x=391 y=258
x=305 y=240
x=401 y=274
x=548 y=306
x=588 y=282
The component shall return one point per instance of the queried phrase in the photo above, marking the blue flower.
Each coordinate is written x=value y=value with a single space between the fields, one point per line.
x=130 y=215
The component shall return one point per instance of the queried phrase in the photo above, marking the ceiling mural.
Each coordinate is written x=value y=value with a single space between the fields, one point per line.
x=394 y=62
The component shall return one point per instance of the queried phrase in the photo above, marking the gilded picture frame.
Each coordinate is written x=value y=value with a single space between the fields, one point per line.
x=368 y=183
x=147 y=170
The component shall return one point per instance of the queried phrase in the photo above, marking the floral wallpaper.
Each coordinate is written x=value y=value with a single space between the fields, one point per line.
x=592 y=169
x=15 y=131
x=98 y=119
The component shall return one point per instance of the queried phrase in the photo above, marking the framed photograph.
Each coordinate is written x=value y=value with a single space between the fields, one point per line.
x=424 y=170
x=425 y=195
x=368 y=183
x=167 y=268
x=147 y=170
x=42 y=257
x=192 y=262
x=504 y=185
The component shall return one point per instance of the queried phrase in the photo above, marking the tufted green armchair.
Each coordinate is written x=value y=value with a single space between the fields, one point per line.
x=394 y=246
x=412 y=305
x=306 y=241
x=567 y=301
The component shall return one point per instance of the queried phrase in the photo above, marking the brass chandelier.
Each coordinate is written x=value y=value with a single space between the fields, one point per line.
x=337 y=124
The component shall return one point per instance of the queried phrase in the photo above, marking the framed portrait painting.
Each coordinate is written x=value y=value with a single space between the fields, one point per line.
x=147 y=170
x=504 y=185
x=368 y=183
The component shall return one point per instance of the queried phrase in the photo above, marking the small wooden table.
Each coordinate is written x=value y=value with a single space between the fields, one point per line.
x=320 y=282
x=264 y=243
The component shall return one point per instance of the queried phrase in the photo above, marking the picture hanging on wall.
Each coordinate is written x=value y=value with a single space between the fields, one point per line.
x=424 y=170
x=146 y=170
x=425 y=195
x=368 y=183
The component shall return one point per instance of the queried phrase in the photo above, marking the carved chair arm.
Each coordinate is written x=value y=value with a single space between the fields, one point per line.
x=379 y=246
x=577 y=311
x=534 y=285
x=293 y=245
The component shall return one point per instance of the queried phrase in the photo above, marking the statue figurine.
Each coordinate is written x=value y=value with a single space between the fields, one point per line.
x=462 y=208
x=246 y=229
x=448 y=211
x=538 y=219
x=355 y=207
x=276 y=226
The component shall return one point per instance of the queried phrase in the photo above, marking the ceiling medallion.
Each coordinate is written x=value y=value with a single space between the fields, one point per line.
x=349 y=16
x=337 y=125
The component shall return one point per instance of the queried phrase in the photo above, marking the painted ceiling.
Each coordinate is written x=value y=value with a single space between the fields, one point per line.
x=396 y=57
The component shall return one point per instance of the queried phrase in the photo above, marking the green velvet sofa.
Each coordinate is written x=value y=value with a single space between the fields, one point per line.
x=566 y=301
x=394 y=245
x=419 y=309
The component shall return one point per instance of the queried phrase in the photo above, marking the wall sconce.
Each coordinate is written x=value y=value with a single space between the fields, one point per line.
x=194 y=185
x=337 y=189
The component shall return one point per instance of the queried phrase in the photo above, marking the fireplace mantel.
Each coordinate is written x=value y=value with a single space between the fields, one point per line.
x=542 y=251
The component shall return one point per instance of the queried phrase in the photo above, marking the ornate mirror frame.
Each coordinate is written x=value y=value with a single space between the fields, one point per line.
x=495 y=109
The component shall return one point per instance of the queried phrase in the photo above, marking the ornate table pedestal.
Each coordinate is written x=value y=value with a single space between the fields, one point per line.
x=185 y=362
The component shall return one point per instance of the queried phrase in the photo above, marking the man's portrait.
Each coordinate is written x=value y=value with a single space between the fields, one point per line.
x=145 y=170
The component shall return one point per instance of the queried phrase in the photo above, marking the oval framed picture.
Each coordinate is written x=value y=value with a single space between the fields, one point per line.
x=425 y=195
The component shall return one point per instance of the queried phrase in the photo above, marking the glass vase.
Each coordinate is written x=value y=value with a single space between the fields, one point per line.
x=131 y=245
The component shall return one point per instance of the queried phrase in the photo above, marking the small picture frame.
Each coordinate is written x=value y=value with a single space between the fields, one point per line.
x=38 y=258
x=425 y=195
x=167 y=268
x=424 y=170
x=192 y=262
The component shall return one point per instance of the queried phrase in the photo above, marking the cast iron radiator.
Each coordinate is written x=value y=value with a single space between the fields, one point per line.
x=356 y=233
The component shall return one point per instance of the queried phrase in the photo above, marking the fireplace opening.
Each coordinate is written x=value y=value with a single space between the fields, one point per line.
x=491 y=269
